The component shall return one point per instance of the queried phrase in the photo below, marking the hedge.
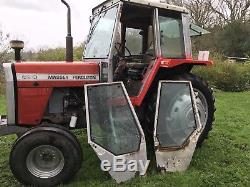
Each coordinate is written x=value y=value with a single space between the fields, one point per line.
x=226 y=76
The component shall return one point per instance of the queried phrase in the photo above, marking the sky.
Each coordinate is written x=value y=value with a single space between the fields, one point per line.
x=42 y=23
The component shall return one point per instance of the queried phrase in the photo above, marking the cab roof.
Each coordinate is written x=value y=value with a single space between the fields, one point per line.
x=163 y=4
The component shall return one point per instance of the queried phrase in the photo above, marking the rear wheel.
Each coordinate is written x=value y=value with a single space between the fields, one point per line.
x=205 y=103
x=45 y=156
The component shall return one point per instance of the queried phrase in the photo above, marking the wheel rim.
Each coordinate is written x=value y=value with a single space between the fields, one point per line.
x=45 y=161
x=202 y=107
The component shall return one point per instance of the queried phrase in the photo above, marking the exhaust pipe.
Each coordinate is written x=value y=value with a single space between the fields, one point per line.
x=69 y=38
x=17 y=45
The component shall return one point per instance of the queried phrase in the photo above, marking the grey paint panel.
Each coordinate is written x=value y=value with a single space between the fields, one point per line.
x=163 y=4
x=10 y=93
x=186 y=32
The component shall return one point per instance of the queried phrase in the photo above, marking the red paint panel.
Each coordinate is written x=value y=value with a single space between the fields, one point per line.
x=152 y=72
x=147 y=82
x=32 y=103
x=57 y=67
x=170 y=63
x=53 y=84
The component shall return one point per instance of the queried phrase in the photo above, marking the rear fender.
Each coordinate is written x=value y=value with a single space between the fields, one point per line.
x=171 y=63
x=153 y=72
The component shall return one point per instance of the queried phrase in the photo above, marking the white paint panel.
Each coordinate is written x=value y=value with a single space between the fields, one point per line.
x=56 y=77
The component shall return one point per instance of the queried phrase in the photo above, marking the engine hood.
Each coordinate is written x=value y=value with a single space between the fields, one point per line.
x=55 y=74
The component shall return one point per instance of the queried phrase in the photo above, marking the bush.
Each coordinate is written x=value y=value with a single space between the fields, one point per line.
x=57 y=54
x=234 y=40
x=226 y=76
x=2 y=82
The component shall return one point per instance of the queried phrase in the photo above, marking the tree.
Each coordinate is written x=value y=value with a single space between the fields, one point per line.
x=229 y=11
x=201 y=12
x=234 y=40
x=4 y=47
x=57 y=54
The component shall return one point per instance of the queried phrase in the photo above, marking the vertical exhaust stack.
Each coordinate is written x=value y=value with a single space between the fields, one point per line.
x=69 y=38
x=17 y=45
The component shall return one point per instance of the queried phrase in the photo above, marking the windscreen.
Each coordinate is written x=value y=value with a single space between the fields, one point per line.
x=112 y=122
x=100 y=36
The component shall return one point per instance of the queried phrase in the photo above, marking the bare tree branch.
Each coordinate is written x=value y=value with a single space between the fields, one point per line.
x=201 y=12
x=4 y=46
x=231 y=10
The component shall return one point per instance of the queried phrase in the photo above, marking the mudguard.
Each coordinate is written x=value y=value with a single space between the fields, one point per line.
x=177 y=125
x=114 y=131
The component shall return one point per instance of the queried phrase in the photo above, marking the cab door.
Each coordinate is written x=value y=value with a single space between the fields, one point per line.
x=114 y=131
x=177 y=125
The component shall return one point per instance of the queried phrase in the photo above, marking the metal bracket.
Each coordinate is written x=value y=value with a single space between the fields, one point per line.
x=6 y=129
x=3 y=120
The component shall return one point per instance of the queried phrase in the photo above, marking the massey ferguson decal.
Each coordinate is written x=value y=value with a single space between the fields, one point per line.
x=57 y=77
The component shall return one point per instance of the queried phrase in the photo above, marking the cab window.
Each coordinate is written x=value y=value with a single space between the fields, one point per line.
x=134 y=41
x=172 y=41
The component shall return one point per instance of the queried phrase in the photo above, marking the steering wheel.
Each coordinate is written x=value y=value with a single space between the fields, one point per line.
x=119 y=48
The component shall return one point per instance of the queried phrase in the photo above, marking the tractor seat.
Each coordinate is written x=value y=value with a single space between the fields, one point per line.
x=148 y=56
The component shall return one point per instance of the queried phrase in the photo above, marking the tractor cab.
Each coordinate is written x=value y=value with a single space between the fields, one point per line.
x=129 y=37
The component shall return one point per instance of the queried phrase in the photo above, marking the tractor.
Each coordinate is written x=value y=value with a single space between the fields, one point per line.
x=136 y=51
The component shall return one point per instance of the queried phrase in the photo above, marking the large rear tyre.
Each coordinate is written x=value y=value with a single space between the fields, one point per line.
x=205 y=103
x=45 y=156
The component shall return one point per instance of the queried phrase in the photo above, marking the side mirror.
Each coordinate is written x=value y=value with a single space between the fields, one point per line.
x=17 y=45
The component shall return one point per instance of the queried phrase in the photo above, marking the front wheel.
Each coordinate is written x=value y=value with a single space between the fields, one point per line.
x=45 y=156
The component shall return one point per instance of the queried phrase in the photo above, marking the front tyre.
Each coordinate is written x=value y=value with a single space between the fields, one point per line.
x=45 y=156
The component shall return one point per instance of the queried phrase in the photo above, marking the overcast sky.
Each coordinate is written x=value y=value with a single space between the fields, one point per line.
x=42 y=23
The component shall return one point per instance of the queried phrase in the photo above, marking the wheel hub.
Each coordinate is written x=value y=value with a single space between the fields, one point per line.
x=45 y=161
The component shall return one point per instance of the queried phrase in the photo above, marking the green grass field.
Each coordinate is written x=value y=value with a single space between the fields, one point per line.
x=224 y=159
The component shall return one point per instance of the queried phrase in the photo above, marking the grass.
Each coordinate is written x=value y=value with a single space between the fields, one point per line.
x=223 y=160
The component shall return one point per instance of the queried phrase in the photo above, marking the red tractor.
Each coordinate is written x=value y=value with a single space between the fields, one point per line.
x=135 y=42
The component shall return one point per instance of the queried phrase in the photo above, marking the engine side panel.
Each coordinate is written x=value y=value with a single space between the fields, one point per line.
x=32 y=103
